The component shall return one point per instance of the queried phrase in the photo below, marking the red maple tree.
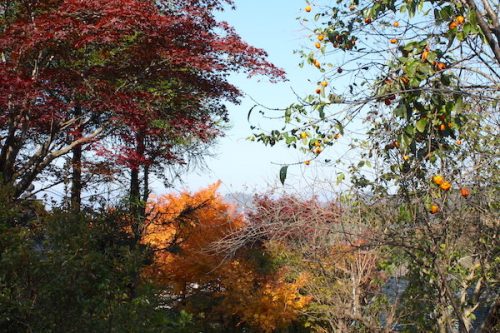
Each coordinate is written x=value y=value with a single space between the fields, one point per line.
x=138 y=82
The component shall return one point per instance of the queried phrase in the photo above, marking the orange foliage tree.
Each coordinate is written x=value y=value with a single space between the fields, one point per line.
x=246 y=290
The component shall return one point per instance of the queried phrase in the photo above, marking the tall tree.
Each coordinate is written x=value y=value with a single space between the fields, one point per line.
x=232 y=293
x=137 y=82
x=414 y=86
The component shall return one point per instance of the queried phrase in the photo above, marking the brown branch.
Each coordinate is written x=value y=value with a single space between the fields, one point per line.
x=24 y=183
x=485 y=28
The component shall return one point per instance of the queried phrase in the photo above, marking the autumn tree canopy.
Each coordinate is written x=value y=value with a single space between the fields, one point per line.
x=412 y=88
x=140 y=83
x=242 y=290
x=416 y=70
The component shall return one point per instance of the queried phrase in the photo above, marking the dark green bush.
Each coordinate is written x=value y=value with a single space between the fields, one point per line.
x=61 y=272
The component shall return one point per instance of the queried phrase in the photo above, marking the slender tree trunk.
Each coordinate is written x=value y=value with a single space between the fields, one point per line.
x=76 y=179
x=449 y=298
x=137 y=207
x=145 y=194
x=137 y=204
x=135 y=190
x=76 y=165
x=6 y=151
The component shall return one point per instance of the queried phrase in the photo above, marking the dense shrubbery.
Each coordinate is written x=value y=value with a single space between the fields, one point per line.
x=61 y=272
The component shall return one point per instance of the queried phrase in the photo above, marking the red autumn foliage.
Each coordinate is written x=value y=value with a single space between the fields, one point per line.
x=289 y=217
x=140 y=73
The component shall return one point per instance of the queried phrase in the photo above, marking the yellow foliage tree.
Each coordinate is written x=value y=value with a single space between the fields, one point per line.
x=268 y=302
x=180 y=230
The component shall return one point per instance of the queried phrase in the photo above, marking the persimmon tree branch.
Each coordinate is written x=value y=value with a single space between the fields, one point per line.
x=493 y=40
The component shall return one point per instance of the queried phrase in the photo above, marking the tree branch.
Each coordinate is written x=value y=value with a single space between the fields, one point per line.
x=23 y=184
x=485 y=28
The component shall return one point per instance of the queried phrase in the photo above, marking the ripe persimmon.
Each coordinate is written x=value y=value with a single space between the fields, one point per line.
x=437 y=179
x=434 y=209
x=317 y=150
x=425 y=54
x=308 y=9
x=445 y=186
x=393 y=41
x=396 y=24
x=440 y=65
x=464 y=192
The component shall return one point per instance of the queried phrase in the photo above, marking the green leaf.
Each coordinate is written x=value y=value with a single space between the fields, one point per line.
x=289 y=139
x=445 y=79
x=410 y=131
x=459 y=105
x=340 y=178
x=421 y=125
x=321 y=111
x=411 y=68
x=339 y=126
x=426 y=69
x=446 y=13
x=288 y=114
x=400 y=111
x=283 y=172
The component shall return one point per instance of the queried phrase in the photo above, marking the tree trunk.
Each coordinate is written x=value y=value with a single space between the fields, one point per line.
x=135 y=190
x=76 y=179
x=137 y=207
x=449 y=298
x=76 y=165
x=145 y=194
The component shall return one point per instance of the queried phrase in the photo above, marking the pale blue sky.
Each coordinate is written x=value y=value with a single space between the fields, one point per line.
x=245 y=166
x=242 y=165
